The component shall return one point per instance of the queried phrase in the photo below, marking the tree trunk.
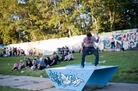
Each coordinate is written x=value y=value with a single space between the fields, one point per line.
x=112 y=13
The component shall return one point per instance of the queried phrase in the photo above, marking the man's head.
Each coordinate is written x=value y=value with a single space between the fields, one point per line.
x=89 y=34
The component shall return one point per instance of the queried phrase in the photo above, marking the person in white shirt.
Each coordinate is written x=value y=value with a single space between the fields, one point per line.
x=69 y=56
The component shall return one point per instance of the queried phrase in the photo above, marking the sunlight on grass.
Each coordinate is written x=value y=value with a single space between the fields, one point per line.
x=126 y=60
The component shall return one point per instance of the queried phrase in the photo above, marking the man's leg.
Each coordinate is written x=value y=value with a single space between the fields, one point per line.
x=84 y=53
x=96 y=54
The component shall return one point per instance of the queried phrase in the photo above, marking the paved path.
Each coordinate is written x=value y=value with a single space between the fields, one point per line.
x=45 y=84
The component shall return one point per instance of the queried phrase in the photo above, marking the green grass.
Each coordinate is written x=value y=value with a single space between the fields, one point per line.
x=126 y=60
x=7 y=88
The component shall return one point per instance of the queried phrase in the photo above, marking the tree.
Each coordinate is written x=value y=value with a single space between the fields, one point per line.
x=130 y=13
x=8 y=26
x=34 y=20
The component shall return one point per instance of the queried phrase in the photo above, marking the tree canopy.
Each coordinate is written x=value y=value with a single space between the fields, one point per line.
x=33 y=20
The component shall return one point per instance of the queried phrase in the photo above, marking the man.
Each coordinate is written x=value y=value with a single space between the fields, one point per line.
x=88 y=46
x=112 y=44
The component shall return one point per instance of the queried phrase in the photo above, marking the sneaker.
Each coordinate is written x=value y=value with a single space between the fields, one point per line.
x=81 y=66
x=96 y=66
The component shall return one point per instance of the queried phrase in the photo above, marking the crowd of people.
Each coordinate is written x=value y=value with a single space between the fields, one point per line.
x=12 y=51
x=40 y=63
x=64 y=48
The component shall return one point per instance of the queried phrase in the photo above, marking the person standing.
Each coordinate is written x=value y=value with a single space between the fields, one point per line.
x=88 y=46
x=112 y=43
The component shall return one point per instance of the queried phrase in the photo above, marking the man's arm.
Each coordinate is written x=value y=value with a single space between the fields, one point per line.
x=52 y=62
x=83 y=44
x=97 y=40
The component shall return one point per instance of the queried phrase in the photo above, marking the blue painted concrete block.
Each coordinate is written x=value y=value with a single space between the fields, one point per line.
x=72 y=77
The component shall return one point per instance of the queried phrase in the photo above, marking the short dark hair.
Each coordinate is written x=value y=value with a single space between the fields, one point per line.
x=89 y=34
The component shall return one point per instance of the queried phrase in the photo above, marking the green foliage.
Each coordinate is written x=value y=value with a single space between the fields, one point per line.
x=43 y=19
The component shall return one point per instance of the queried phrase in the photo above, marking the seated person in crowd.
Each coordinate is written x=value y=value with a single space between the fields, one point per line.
x=69 y=56
x=63 y=56
x=25 y=58
x=66 y=49
x=62 y=50
x=29 y=63
x=54 y=60
x=15 y=67
x=42 y=64
x=34 y=66
x=21 y=65
x=56 y=56
x=31 y=52
x=37 y=59
x=22 y=52
x=47 y=62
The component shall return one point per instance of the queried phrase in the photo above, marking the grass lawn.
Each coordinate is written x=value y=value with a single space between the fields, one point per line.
x=126 y=60
x=7 y=88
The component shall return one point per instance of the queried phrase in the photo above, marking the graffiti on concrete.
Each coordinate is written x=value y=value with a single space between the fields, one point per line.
x=65 y=79
x=128 y=39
